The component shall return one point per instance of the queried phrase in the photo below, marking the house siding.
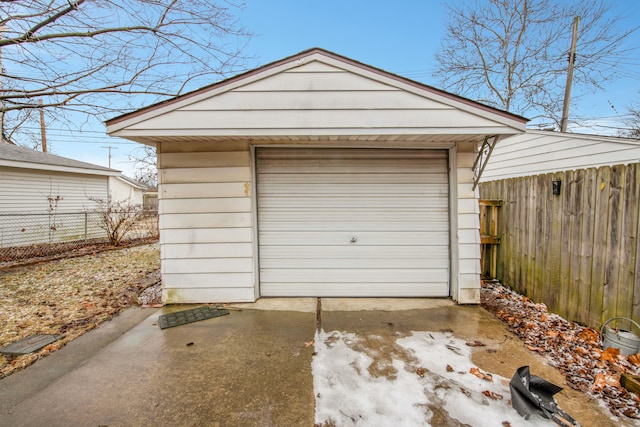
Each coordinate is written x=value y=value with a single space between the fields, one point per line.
x=206 y=226
x=29 y=190
x=123 y=192
x=541 y=152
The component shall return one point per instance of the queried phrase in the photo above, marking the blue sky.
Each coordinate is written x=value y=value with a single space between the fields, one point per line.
x=401 y=37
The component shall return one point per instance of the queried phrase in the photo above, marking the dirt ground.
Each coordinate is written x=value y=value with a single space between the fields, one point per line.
x=71 y=296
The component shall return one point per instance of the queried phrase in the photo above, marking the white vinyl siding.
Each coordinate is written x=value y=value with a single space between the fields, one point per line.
x=206 y=223
x=39 y=207
x=541 y=152
x=468 y=225
x=123 y=192
x=313 y=202
x=329 y=99
x=29 y=190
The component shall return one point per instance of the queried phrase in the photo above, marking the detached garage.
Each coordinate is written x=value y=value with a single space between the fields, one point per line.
x=318 y=176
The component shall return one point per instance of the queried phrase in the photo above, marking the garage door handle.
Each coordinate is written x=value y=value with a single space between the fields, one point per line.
x=353 y=240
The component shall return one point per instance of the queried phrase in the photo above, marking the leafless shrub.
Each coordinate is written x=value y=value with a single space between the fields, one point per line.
x=117 y=218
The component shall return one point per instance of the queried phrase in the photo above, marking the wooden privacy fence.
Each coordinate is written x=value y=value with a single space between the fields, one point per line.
x=577 y=251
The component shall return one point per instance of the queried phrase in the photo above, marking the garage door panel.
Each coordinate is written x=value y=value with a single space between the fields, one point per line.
x=358 y=178
x=360 y=263
x=315 y=154
x=336 y=222
x=338 y=189
x=430 y=214
x=411 y=238
x=389 y=289
x=353 y=275
x=380 y=166
x=356 y=252
x=353 y=226
x=316 y=202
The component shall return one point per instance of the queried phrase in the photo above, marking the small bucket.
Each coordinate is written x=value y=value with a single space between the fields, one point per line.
x=626 y=341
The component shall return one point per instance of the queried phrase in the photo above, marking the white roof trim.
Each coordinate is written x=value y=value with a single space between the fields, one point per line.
x=584 y=136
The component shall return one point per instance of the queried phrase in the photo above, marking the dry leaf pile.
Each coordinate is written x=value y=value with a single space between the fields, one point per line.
x=70 y=297
x=574 y=349
x=151 y=296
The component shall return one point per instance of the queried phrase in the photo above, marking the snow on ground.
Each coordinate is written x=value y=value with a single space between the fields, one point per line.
x=420 y=380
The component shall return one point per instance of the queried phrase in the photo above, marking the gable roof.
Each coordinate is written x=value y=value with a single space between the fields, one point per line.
x=132 y=182
x=21 y=157
x=294 y=86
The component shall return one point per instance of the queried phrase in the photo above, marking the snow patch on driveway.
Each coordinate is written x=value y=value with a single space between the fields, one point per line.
x=419 y=380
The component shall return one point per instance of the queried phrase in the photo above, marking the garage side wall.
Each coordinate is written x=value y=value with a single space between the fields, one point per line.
x=206 y=234
x=468 y=230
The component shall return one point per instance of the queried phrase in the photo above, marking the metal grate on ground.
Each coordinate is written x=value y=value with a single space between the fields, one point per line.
x=189 y=316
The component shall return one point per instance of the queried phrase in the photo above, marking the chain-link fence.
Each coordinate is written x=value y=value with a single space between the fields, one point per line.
x=25 y=235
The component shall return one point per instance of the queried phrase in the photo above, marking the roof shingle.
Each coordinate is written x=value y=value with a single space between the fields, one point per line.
x=17 y=153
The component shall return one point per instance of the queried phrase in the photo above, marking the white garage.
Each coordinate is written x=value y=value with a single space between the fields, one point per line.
x=318 y=175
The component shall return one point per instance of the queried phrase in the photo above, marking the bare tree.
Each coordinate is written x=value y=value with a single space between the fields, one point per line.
x=632 y=121
x=145 y=161
x=513 y=54
x=82 y=56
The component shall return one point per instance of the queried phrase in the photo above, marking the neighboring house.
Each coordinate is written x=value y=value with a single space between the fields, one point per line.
x=30 y=178
x=538 y=152
x=39 y=185
x=126 y=190
x=569 y=222
x=317 y=175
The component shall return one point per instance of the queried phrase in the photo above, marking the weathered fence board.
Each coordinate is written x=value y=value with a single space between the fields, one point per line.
x=578 y=252
x=538 y=234
x=586 y=251
x=554 y=240
x=613 y=247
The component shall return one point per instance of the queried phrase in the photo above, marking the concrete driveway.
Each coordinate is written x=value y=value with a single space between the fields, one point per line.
x=250 y=368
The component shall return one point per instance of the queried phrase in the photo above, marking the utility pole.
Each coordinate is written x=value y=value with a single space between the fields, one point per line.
x=572 y=61
x=2 y=103
x=43 y=132
x=110 y=148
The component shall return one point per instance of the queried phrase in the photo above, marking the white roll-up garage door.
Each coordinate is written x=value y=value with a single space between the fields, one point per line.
x=353 y=222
